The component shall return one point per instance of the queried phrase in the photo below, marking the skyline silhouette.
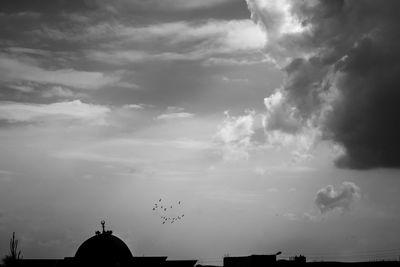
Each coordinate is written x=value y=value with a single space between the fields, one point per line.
x=105 y=249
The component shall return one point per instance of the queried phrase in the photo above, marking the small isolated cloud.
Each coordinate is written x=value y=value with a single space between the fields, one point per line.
x=134 y=106
x=234 y=80
x=175 y=113
x=328 y=198
x=178 y=115
x=27 y=112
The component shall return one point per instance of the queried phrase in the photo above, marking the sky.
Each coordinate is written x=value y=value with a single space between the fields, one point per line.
x=274 y=122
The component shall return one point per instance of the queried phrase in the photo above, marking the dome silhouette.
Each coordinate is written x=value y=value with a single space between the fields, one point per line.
x=104 y=248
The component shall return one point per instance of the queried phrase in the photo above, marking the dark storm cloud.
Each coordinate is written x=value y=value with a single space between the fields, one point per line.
x=345 y=71
x=366 y=121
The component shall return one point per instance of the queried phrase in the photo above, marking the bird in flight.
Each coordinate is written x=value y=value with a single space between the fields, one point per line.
x=165 y=213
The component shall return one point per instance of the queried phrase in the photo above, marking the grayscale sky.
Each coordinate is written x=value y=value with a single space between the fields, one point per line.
x=275 y=122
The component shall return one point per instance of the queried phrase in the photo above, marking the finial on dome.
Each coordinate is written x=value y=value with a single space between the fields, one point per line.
x=102 y=225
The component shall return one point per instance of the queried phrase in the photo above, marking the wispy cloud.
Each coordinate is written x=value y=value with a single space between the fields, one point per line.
x=175 y=113
x=238 y=60
x=14 y=70
x=181 y=40
x=228 y=33
x=185 y=5
x=20 y=15
x=59 y=91
x=134 y=106
x=159 y=5
x=22 y=88
x=178 y=115
x=27 y=112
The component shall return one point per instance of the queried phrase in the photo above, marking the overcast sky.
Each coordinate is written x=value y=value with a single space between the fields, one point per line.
x=275 y=122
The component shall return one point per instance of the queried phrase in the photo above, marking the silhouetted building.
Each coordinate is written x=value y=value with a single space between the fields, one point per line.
x=149 y=261
x=105 y=249
x=300 y=259
x=296 y=260
x=179 y=263
x=39 y=263
x=250 y=261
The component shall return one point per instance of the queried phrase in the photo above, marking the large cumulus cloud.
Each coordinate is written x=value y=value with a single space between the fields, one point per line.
x=235 y=136
x=343 y=73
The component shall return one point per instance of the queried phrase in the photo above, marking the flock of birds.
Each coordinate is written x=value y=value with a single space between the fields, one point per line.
x=168 y=213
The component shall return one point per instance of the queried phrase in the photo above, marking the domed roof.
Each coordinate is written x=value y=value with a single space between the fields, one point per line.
x=104 y=248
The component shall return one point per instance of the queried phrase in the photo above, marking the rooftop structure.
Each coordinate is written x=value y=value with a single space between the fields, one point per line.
x=104 y=248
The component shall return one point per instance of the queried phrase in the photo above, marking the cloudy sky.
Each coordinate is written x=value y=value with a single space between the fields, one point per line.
x=275 y=122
